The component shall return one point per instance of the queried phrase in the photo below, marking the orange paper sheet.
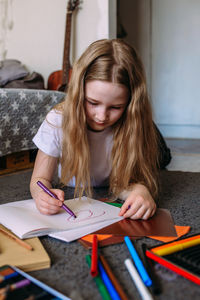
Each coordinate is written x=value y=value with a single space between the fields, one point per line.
x=101 y=237
x=180 y=230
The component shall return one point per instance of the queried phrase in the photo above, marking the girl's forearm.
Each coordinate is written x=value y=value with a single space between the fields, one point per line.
x=35 y=189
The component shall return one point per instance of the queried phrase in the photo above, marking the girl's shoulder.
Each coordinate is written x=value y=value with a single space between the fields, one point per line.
x=54 y=117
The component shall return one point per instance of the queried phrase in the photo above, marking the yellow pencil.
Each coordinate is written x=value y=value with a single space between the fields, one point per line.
x=176 y=242
x=177 y=247
x=16 y=239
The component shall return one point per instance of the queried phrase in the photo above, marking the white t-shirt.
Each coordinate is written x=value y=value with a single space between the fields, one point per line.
x=49 y=140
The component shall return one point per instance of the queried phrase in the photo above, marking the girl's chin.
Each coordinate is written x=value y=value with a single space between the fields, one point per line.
x=96 y=127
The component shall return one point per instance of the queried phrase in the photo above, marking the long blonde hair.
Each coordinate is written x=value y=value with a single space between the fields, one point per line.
x=134 y=154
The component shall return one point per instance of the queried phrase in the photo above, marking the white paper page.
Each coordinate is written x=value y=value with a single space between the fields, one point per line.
x=74 y=234
x=23 y=217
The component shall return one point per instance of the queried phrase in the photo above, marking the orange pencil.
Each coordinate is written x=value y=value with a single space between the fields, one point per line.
x=113 y=279
x=16 y=239
x=94 y=264
x=175 y=246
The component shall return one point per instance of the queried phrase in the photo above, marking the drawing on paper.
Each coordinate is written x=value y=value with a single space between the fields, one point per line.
x=84 y=215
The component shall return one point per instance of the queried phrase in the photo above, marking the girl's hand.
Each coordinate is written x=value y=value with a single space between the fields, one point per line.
x=48 y=205
x=44 y=170
x=139 y=204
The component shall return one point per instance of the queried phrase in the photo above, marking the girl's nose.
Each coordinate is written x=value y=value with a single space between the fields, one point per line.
x=101 y=115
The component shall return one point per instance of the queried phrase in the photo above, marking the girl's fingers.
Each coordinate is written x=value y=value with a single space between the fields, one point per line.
x=143 y=213
x=48 y=208
x=132 y=210
x=50 y=200
x=48 y=211
x=126 y=209
x=47 y=204
x=59 y=194
x=147 y=214
x=138 y=214
x=137 y=210
x=153 y=211
x=123 y=209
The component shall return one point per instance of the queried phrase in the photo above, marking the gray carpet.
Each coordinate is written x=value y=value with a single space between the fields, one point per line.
x=69 y=273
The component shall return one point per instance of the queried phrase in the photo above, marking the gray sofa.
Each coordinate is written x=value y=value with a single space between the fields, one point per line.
x=21 y=113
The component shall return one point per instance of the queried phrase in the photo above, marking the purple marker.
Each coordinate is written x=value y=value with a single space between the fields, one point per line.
x=45 y=189
x=20 y=284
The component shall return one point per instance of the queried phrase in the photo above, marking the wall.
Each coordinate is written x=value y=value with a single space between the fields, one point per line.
x=166 y=34
x=37 y=35
x=135 y=16
x=176 y=67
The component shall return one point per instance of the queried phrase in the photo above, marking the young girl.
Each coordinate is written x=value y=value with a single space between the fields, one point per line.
x=102 y=133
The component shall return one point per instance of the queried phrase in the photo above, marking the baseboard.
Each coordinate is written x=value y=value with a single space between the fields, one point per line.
x=180 y=131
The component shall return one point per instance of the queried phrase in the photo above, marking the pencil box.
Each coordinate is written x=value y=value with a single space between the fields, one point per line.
x=182 y=257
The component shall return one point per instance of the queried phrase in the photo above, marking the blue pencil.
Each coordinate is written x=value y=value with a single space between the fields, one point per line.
x=138 y=263
x=113 y=294
x=8 y=276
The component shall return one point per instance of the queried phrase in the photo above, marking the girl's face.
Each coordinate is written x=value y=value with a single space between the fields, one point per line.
x=104 y=103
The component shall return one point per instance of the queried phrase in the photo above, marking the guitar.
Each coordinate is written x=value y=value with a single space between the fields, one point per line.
x=59 y=80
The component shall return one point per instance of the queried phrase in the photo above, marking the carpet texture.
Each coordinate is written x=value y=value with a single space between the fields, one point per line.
x=69 y=272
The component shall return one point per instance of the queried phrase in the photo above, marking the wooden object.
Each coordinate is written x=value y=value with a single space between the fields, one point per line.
x=16 y=255
x=17 y=161
x=59 y=80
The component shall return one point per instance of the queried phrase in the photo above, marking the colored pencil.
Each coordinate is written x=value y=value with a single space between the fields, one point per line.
x=16 y=239
x=113 y=279
x=5 y=277
x=177 y=269
x=99 y=282
x=14 y=286
x=111 y=289
x=194 y=237
x=142 y=289
x=138 y=263
x=176 y=247
x=94 y=265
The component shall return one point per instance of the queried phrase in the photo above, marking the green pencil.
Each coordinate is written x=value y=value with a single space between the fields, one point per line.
x=102 y=289
x=115 y=204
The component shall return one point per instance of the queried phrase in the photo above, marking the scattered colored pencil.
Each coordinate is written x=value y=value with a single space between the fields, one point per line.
x=94 y=265
x=113 y=279
x=142 y=289
x=110 y=287
x=176 y=247
x=138 y=263
x=16 y=239
x=98 y=280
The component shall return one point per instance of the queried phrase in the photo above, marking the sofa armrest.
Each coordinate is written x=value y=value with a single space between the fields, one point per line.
x=21 y=113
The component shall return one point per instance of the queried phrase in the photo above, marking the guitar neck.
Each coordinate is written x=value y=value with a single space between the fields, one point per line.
x=66 y=58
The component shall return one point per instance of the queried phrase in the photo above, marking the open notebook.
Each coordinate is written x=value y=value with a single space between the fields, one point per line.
x=24 y=219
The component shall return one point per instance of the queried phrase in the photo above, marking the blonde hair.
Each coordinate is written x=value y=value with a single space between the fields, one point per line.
x=134 y=154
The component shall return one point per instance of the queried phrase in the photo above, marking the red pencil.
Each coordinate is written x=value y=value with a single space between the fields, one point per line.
x=94 y=264
x=178 y=269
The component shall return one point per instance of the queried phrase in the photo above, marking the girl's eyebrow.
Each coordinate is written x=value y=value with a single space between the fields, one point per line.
x=98 y=101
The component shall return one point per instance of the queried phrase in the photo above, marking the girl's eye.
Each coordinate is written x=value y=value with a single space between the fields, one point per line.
x=113 y=107
x=92 y=103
